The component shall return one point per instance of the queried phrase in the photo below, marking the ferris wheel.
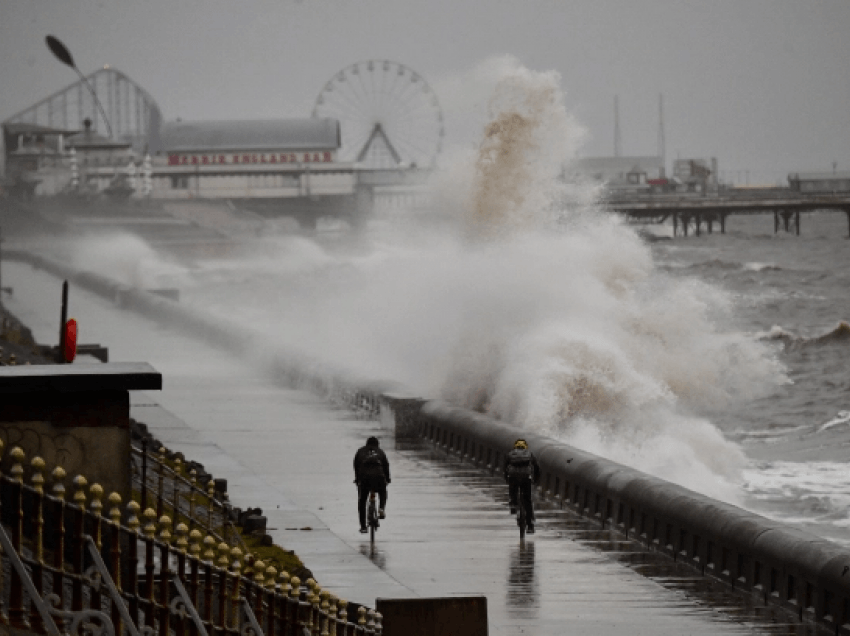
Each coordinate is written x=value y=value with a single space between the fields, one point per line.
x=389 y=116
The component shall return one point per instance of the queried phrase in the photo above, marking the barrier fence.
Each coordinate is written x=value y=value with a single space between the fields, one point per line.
x=73 y=570
x=161 y=484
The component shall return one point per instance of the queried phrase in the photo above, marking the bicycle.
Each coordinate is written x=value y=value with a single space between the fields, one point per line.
x=372 y=516
x=521 y=518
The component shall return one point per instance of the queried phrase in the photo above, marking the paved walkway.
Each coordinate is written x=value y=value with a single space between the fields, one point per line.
x=448 y=531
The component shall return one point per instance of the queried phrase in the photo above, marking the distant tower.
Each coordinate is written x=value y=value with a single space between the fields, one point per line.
x=618 y=143
x=662 y=145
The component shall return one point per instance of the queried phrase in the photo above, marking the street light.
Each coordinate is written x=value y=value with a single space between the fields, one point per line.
x=64 y=55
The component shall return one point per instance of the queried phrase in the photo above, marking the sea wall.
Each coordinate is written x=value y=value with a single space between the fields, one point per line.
x=294 y=369
x=797 y=570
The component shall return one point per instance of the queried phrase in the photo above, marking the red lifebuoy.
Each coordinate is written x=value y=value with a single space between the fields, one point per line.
x=70 y=351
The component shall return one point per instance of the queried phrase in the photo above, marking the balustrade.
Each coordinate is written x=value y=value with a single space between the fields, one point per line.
x=74 y=570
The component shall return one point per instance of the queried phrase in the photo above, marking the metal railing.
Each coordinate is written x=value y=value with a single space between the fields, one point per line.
x=71 y=571
x=161 y=485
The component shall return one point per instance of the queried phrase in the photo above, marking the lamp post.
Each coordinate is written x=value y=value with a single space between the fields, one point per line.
x=64 y=55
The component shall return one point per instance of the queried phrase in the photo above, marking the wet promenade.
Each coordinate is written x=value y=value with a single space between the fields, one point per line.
x=448 y=531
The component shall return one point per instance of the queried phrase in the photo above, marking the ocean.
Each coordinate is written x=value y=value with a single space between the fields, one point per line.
x=789 y=292
x=716 y=362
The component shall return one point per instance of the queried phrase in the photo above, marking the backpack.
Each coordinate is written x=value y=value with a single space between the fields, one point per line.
x=519 y=463
x=372 y=459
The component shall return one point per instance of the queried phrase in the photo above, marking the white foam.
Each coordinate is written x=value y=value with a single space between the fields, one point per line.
x=517 y=295
x=126 y=258
x=842 y=418
x=760 y=267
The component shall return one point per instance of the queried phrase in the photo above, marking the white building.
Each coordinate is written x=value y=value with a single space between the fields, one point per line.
x=262 y=159
x=620 y=174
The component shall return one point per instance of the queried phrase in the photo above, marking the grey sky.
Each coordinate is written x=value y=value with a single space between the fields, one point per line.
x=763 y=85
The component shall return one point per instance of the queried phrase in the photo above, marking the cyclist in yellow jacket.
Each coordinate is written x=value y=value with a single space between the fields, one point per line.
x=521 y=471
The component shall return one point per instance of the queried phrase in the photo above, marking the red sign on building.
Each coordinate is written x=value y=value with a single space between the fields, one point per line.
x=245 y=158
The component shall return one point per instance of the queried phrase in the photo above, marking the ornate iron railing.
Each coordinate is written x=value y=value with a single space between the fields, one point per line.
x=161 y=485
x=69 y=570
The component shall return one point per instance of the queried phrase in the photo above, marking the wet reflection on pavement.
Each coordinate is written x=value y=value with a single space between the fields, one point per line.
x=374 y=554
x=523 y=589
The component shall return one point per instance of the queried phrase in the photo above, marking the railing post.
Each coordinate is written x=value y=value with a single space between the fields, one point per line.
x=324 y=615
x=343 y=616
x=77 y=543
x=148 y=596
x=17 y=617
x=159 y=495
x=59 y=528
x=209 y=563
x=361 y=619
x=285 y=593
x=182 y=545
x=210 y=499
x=178 y=472
x=313 y=600
x=115 y=554
x=236 y=566
x=332 y=614
x=144 y=495
x=259 y=569
x=295 y=594
x=37 y=540
x=193 y=483
x=133 y=560
x=164 y=575
x=223 y=563
x=271 y=598
x=194 y=562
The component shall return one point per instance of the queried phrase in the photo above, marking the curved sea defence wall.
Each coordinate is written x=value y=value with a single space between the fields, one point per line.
x=291 y=368
x=796 y=570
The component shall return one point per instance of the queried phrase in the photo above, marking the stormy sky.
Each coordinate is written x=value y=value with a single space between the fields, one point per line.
x=762 y=85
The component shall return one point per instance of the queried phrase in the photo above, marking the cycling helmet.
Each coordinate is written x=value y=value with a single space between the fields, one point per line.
x=521 y=444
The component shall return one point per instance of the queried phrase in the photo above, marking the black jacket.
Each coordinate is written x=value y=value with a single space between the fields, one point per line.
x=371 y=461
x=521 y=464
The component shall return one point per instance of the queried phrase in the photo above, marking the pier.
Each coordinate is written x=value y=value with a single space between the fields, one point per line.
x=701 y=212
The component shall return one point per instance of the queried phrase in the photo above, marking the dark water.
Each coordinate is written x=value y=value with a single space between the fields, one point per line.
x=791 y=292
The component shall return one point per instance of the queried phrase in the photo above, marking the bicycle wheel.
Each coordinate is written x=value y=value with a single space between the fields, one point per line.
x=373 y=517
x=520 y=520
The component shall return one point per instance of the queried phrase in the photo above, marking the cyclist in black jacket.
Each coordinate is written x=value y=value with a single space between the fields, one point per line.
x=521 y=470
x=371 y=473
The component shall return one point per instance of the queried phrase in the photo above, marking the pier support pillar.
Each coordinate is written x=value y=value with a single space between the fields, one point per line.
x=722 y=223
x=698 y=218
x=676 y=223
x=776 y=221
x=786 y=220
x=797 y=222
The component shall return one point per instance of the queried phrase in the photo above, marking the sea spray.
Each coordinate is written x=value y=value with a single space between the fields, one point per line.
x=517 y=295
x=125 y=258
